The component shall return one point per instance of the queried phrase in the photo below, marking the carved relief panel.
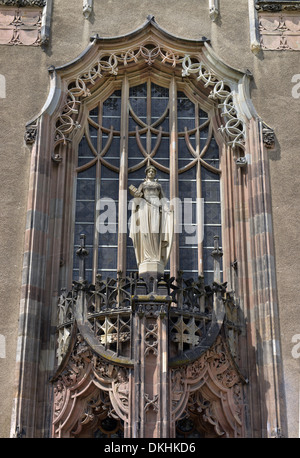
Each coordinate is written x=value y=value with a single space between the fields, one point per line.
x=19 y=26
x=25 y=22
x=279 y=25
x=279 y=31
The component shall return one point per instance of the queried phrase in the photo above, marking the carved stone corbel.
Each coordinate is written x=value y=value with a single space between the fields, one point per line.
x=241 y=161
x=30 y=134
x=268 y=137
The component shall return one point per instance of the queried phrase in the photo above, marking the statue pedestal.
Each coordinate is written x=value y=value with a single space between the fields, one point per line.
x=151 y=268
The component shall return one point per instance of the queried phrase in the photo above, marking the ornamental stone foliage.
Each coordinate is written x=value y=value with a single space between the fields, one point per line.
x=23 y=3
x=106 y=346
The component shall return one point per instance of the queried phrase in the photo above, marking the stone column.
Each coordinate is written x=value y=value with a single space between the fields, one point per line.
x=150 y=396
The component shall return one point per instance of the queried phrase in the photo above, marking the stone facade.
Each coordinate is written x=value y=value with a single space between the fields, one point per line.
x=45 y=51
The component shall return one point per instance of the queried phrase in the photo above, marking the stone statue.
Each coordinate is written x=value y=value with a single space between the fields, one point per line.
x=151 y=226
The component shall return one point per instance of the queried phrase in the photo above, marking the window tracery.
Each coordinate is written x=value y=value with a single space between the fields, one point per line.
x=195 y=175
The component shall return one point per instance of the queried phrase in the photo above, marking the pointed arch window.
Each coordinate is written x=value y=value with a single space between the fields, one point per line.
x=164 y=124
x=197 y=104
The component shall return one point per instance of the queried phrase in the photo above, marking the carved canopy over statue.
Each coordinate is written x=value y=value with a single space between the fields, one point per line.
x=151 y=225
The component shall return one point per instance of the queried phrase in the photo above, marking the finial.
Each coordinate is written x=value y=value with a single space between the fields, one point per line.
x=82 y=252
x=217 y=254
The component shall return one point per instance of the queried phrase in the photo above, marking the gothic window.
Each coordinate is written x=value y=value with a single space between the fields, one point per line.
x=147 y=97
x=130 y=127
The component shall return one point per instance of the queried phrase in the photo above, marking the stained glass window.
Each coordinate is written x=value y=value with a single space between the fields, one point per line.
x=132 y=127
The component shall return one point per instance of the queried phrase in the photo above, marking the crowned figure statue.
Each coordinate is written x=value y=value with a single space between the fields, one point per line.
x=151 y=225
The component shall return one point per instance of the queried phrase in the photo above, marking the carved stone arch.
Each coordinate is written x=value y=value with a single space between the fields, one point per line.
x=248 y=244
x=88 y=390
x=210 y=390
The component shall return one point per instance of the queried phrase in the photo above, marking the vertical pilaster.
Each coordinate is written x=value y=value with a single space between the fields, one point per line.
x=174 y=256
x=253 y=27
x=149 y=405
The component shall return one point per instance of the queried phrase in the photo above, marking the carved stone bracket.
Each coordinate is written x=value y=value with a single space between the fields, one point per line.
x=268 y=137
x=30 y=134
x=97 y=336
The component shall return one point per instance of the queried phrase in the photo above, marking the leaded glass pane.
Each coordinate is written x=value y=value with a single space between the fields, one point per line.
x=111 y=115
x=85 y=154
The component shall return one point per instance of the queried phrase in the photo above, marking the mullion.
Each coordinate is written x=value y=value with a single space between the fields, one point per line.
x=199 y=193
x=173 y=148
x=97 y=192
x=123 y=177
